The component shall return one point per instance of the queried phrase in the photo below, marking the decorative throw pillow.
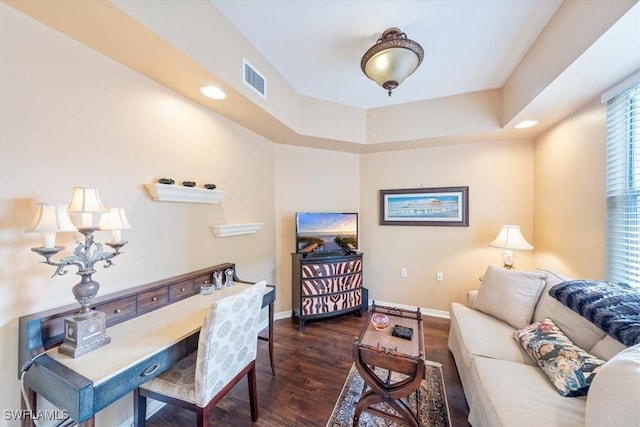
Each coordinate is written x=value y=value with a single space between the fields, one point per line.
x=509 y=295
x=569 y=368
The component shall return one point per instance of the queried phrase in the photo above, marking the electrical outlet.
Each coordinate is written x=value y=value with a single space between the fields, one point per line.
x=403 y=272
x=439 y=276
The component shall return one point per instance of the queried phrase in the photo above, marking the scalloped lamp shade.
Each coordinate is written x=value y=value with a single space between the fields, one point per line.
x=49 y=219
x=114 y=219
x=86 y=200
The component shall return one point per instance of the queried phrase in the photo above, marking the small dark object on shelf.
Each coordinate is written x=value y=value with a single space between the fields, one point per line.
x=402 y=332
x=189 y=183
x=166 y=181
x=210 y=186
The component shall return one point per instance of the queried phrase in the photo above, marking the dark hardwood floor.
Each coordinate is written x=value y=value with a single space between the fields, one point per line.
x=311 y=368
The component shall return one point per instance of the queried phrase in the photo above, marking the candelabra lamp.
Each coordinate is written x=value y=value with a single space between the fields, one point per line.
x=86 y=330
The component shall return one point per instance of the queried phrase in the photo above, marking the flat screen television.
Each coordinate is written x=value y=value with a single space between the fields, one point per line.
x=326 y=232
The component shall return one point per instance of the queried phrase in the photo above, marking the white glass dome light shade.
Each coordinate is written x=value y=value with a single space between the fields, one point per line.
x=395 y=64
x=392 y=59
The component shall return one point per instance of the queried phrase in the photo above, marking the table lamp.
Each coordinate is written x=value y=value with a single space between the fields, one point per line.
x=510 y=238
x=86 y=330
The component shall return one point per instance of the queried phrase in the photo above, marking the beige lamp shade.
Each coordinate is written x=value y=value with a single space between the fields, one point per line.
x=510 y=237
x=85 y=203
x=114 y=219
x=86 y=200
x=49 y=219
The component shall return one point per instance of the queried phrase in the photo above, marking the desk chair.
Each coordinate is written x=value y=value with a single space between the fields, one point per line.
x=226 y=352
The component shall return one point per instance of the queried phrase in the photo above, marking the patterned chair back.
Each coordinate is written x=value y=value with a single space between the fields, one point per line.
x=228 y=341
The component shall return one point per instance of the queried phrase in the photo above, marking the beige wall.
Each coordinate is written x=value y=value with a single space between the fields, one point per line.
x=72 y=117
x=500 y=180
x=570 y=208
x=308 y=180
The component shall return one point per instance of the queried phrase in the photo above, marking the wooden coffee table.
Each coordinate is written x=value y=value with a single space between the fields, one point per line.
x=379 y=348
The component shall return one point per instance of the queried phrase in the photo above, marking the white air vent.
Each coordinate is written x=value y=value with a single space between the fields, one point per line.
x=254 y=79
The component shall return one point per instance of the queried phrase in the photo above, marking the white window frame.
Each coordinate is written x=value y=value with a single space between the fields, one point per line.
x=623 y=182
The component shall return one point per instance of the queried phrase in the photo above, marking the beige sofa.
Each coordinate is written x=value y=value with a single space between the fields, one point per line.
x=504 y=386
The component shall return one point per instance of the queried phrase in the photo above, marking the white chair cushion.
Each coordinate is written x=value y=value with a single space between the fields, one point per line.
x=178 y=381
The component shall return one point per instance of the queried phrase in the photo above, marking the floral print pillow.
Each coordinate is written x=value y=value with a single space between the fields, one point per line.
x=569 y=368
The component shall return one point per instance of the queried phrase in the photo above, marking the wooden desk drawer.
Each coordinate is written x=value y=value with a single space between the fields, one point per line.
x=181 y=290
x=151 y=300
x=201 y=280
x=118 y=311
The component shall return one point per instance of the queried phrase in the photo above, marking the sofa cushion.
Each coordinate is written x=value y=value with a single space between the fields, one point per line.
x=520 y=395
x=569 y=368
x=484 y=335
x=614 y=397
x=509 y=295
x=607 y=348
x=583 y=333
x=614 y=307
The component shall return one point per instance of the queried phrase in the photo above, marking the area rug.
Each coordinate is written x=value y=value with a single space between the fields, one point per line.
x=434 y=411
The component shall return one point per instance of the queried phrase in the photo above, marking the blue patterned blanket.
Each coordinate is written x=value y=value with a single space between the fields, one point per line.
x=613 y=307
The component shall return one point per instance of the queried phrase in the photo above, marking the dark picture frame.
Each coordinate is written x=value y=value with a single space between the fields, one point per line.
x=441 y=206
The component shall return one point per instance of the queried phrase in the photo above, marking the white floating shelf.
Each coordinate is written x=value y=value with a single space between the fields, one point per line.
x=227 y=230
x=177 y=193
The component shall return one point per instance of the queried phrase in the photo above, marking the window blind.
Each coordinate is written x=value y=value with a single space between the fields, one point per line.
x=623 y=187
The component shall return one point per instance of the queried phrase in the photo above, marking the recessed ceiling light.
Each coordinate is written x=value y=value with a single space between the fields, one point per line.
x=526 y=124
x=213 y=92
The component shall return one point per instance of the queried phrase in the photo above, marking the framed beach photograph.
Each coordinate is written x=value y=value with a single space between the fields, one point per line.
x=444 y=206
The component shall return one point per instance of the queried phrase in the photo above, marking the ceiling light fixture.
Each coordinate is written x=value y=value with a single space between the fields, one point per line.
x=526 y=124
x=213 y=92
x=392 y=59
